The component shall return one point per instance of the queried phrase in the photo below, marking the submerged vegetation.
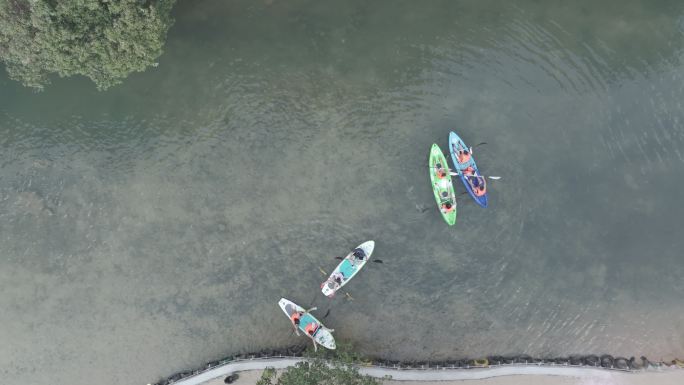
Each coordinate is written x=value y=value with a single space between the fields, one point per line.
x=104 y=40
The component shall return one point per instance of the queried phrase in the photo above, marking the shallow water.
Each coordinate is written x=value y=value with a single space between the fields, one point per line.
x=153 y=227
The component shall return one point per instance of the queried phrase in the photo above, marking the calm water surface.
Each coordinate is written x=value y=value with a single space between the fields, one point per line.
x=153 y=227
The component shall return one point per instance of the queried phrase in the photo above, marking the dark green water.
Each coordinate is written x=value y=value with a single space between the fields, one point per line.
x=153 y=227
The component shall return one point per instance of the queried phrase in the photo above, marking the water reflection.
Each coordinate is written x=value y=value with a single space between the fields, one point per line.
x=153 y=227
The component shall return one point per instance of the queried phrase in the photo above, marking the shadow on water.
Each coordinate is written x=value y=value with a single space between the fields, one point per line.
x=155 y=226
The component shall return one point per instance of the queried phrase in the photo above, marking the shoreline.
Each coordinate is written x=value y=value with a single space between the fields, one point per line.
x=476 y=375
x=610 y=378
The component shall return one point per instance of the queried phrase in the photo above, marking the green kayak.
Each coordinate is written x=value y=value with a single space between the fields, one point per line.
x=443 y=188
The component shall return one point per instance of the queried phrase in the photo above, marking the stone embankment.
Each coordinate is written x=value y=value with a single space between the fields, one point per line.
x=493 y=366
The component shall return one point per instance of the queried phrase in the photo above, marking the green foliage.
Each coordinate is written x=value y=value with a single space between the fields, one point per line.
x=321 y=368
x=267 y=377
x=104 y=40
x=317 y=372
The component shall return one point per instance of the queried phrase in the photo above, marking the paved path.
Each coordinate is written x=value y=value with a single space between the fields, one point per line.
x=595 y=374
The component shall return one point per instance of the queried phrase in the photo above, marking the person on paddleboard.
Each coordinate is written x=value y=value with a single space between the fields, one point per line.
x=313 y=328
x=334 y=282
x=358 y=255
x=296 y=316
x=337 y=278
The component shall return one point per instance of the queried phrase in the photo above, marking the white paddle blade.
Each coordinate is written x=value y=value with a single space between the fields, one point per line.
x=494 y=177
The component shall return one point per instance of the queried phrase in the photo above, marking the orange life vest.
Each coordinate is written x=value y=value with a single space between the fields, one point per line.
x=311 y=328
x=295 y=317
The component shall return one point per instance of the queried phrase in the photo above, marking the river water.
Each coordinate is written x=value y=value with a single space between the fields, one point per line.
x=153 y=227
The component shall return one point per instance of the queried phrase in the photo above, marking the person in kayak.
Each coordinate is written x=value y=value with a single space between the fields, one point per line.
x=442 y=184
x=441 y=171
x=296 y=316
x=477 y=182
x=479 y=186
x=447 y=207
x=463 y=155
x=313 y=328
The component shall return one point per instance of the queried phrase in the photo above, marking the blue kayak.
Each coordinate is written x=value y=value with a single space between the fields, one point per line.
x=474 y=179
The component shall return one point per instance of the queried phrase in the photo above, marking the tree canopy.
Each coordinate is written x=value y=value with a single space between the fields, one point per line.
x=316 y=373
x=322 y=368
x=104 y=40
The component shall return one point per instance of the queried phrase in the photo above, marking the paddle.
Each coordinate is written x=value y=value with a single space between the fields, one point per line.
x=470 y=176
x=327 y=313
x=312 y=302
x=479 y=144
x=490 y=177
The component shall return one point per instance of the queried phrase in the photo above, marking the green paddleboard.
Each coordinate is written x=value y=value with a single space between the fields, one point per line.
x=442 y=187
